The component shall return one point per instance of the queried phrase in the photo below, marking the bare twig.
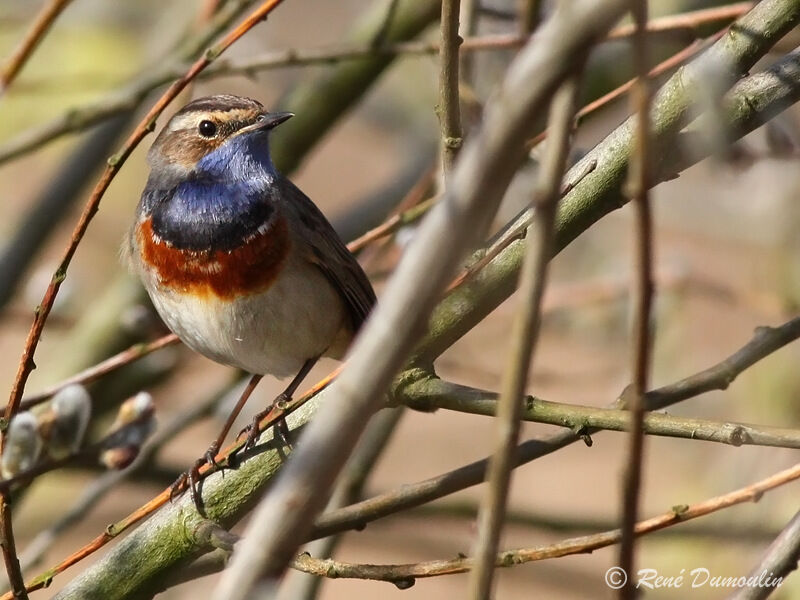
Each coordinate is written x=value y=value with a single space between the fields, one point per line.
x=405 y=574
x=530 y=15
x=33 y=37
x=483 y=172
x=449 y=109
x=101 y=369
x=780 y=559
x=10 y=558
x=393 y=224
x=524 y=336
x=642 y=292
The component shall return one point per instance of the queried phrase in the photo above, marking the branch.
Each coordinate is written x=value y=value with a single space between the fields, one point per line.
x=434 y=393
x=642 y=291
x=449 y=108
x=780 y=559
x=404 y=575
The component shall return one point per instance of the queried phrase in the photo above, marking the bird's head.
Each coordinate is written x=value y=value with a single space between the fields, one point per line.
x=220 y=136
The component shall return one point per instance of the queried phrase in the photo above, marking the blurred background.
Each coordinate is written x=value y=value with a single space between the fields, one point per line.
x=727 y=261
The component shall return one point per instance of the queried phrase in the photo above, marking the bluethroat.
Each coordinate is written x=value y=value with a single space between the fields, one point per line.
x=238 y=262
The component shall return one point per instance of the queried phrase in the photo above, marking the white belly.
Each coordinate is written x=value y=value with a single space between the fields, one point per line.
x=299 y=317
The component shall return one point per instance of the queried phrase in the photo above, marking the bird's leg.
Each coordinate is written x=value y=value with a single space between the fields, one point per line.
x=193 y=474
x=284 y=397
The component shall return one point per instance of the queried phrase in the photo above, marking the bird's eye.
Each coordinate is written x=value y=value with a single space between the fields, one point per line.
x=207 y=129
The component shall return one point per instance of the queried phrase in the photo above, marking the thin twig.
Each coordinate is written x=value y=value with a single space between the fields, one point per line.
x=642 y=292
x=44 y=20
x=407 y=573
x=449 y=108
x=10 y=558
x=525 y=333
x=530 y=15
x=101 y=369
x=393 y=224
x=780 y=559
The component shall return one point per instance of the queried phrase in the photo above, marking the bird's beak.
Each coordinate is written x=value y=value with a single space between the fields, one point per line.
x=269 y=121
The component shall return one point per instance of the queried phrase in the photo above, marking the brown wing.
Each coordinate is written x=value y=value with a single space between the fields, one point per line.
x=321 y=245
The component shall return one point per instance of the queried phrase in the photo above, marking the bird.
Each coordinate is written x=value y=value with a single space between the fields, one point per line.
x=238 y=262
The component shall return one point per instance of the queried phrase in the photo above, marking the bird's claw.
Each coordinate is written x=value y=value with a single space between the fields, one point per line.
x=252 y=431
x=191 y=478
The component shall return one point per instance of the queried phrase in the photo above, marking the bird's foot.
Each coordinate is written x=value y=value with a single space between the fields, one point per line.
x=191 y=478
x=252 y=430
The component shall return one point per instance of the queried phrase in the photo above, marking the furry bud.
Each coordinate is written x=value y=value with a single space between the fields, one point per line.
x=23 y=445
x=69 y=415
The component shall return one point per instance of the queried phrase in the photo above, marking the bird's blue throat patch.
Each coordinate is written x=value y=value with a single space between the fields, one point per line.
x=223 y=203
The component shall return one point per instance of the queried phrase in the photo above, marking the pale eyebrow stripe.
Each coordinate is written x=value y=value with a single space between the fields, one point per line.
x=192 y=119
